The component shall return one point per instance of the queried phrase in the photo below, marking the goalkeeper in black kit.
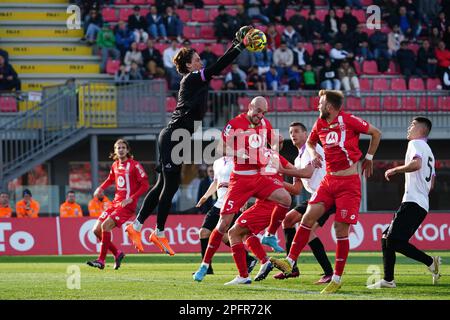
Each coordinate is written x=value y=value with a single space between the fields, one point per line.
x=191 y=107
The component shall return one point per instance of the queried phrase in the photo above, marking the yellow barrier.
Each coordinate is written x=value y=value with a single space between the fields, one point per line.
x=48 y=50
x=56 y=68
x=33 y=16
x=40 y=33
x=37 y=86
x=34 y=1
x=98 y=106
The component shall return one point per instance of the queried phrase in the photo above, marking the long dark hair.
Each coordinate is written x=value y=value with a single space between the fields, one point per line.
x=113 y=154
x=182 y=58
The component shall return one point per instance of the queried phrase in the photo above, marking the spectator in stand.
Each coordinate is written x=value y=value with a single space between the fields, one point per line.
x=255 y=81
x=138 y=25
x=332 y=23
x=5 y=209
x=93 y=23
x=162 y=5
x=4 y=54
x=98 y=205
x=174 y=26
x=242 y=18
x=378 y=41
x=299 y=24
x=328 y=77
x=273 y=37
x=337 y=54
x=187 y=44
x=273 y=80
x=348 y=78
x=349 y=19
x=122 y=76
x=441 y=22
x=301 y=56
x=224 y=27
x=276 y=10
x=133 y=55
x=303 y=3
x=208 y=57
x=395 y=38
x=106 y=41
x=70 y=209
x=236 y=79
x=320 y=55
x=426 y=60
x=155 y=23
x=263 y=60
x=171 y=72
x=309 y=78
x=9 y=79
x=407 y=62
x=446 y=37
x=446 y=79
x=136 y=72
x=361 y=44
x=124 y=37
x=203 y=187
x=443 y=57
x=290 y=36
x=283 y=59
x=27 y=207
x=314 y=27
x=403 y=20
x=354 y=4
x=245 y=60
x=198 y=4
x=346 y=37
x=434 y=37
x=294 y=78
x=255 y=10
x=153 y=61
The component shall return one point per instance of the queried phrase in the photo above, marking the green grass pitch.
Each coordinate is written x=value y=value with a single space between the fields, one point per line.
x=160 y=277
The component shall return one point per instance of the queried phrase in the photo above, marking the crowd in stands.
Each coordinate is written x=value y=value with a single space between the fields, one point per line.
x=304 y=51
x=9 y=80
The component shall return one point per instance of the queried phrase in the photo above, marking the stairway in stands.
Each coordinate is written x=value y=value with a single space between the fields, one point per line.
x=42 y=49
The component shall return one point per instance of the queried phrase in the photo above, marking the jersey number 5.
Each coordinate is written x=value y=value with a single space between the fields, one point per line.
x=430 y=160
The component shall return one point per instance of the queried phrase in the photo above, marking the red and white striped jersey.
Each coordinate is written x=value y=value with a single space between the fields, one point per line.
x=340 y=140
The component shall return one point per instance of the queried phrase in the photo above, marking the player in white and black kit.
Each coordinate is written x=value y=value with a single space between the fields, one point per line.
x=299 y=134
x=419 y=170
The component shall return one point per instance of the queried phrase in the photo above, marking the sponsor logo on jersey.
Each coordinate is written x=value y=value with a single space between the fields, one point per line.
x=332 y=138
x=120 y=181
x=255 y=141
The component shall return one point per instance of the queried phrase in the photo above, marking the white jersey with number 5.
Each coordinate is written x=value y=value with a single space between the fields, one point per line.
x=304 y=159
x=418 y=183
x=222 y=171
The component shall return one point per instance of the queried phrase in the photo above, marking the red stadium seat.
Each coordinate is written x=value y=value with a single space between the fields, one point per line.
x=300 y=104
x=309 y=48
x=171 y=104
x=121 y=2
x=314 y=103
x=280 y=28
x=217 y=48
x=190 y=32
x=210 y=2
x=398 y=84
x=339 y=12
x=8 y=104
x=138 y=2
x=428 y=104
x=142 y=46
x=372 y=104
x=227 y=2
x=321 y=13
x=240 y=1
x=365 y=84
x=213 y=13
x=243 y=103
x=409 y=103
x=416 y=84
x=366 y=3
x=434 y=84
x=392 y=69
x=199 y=15
x=281 y=104
x=380 y=84
x=357 y=66
x=124 y=13
x=370 y=67
x=444 y=103
x=207 y=32
x=198 y=46
x=353 y=104
x=414 y=47
x=391 y=104
x=290 y=13
x=109 y=15
x=216 y=84
x=112 y=66
x=360 y=15
x=161 y=46
x=183 y=14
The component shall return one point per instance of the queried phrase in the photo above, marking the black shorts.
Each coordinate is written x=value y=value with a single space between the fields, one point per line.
x=165 y=147
x=212 y=218
x=301 y=208
x=406 y=221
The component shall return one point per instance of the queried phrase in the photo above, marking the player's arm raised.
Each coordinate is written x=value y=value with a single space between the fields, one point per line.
x=414 y=165
x=367 y=165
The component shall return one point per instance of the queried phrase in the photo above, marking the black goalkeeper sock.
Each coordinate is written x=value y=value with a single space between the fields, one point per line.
x=321 y=256
x=289 y=235
x=204 y=245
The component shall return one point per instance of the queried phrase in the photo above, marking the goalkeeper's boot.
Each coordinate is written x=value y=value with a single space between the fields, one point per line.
x=435 y=269
x=162 y=243
x=96 y=264
x=332 y=287
x=382 y=284
x=135 y=237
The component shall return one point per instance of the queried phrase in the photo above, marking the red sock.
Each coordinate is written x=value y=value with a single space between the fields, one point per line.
x=111 y=248
x=215 y=239
x=256 y=247
x=239 y=256
x=278 y=215
x=106 y=241
x=300 y=240
x=342 y=249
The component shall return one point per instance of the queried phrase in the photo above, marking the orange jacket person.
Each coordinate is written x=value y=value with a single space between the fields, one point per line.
x=98 y=205
x=70 y=209
x=27 y=207
x=5 y=209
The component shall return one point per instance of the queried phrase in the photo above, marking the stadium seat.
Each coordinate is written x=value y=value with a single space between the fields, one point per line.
x=112 y=66
x=300 y=104
x=392 y=70
x=109 y=15
x=391 y=104
x=314 y=103
x=243 y=103
x=210 y=2
x=138 y=2
x=365 y=84
x=360 y=15
x=8 y=104
x=433 y=84
x=353 y=104
x=398 y=84
x=240 y=1
x=207 y=32
x=124 y=13
x=280 y=28
x=217 y=48
x=161 y=46
x=320 y=14
x=190 y=32
x=289 y=13
x=216 y=84
x=213 y=13
x=370 y=67
x=444 y=103
x=414 y=47
x=339 y=12
x=372 y=104
x=309 y=48
x=366 y=3
x=142 y=46
x=227 y=2
x=416 y=84
x=198 y=46
x=199 y=15
x=121 y=2
x=281 y=104
x=357 y=67
x=380 y=84
x=183 y=14
x=171 y=104
x=409 y=103
x=428 y=104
